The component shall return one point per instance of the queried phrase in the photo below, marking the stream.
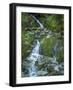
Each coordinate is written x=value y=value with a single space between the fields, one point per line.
x=36 y=57
x=33 y=58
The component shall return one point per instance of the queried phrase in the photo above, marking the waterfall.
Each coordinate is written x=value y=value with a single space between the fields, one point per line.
x=33 y=58
x=40 y=24
x=35 y=52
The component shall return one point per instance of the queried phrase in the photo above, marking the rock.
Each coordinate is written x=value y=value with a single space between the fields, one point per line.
x=24 y=74
x=45 y=59
x=42 y=73
x=26 y=64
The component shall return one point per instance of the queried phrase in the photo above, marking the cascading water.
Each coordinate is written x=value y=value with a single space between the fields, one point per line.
x=40 y=24
x=35 y=55
x=33 y=58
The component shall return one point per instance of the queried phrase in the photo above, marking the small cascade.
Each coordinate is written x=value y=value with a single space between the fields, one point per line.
x=40 y=24
x=33 y=58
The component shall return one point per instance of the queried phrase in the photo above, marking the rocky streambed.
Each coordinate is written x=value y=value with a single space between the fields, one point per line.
x=43 y=66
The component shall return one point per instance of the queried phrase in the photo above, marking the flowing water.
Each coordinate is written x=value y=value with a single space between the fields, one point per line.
x=33 y=58
x=35 y=52
x=39 y=23
x=35 y=55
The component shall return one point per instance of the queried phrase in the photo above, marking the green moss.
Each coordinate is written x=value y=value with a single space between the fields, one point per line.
x=60 y=55
x=47 y=46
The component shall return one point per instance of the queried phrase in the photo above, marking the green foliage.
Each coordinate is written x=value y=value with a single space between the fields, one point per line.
x=47 y=46
x=27 y=40
x=53 y=22
x=27 y=21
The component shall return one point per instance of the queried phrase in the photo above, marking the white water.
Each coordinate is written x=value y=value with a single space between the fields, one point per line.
x=40 y=24
x=34 y=57
x=35 y=53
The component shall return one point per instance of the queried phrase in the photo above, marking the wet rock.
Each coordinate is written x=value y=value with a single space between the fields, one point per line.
x=42 y=73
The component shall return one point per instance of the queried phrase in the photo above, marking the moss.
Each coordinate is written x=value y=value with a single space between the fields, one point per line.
x=47 y=46
x=60 y=55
